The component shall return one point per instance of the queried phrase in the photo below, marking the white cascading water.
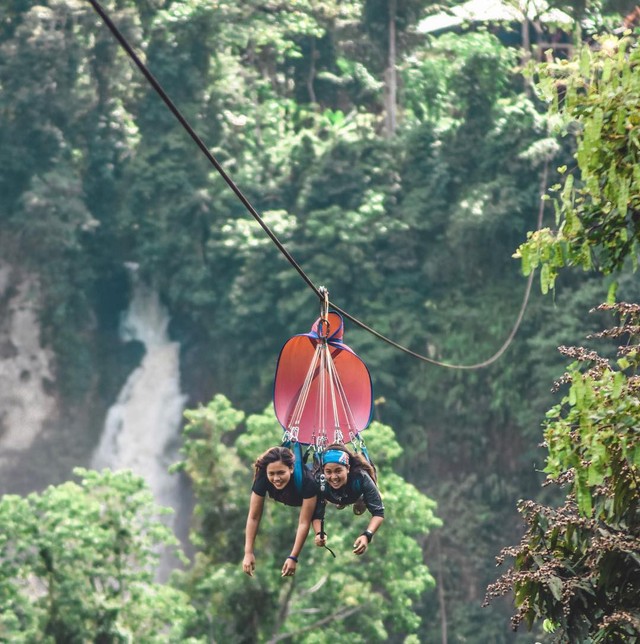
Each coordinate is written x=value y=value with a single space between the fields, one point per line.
x=142 y=427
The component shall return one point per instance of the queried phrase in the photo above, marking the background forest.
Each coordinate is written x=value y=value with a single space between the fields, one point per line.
x=402 y=169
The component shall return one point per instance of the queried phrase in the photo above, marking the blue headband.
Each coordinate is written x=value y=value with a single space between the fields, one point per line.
x=335 y=456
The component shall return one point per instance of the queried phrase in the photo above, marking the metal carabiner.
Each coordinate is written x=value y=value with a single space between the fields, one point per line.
x=324 y=327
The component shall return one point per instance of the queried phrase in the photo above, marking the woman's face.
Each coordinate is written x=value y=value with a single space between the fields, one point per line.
x=279 y=474
x=336 y=474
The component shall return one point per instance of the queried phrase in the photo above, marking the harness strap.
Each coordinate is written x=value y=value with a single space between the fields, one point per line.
x=323 y=506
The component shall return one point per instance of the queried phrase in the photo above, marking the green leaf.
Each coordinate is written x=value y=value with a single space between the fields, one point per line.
x=585 y=63
x=555 y=586
x=583 y=494
x=594 y=475
x=618 y=382
x=545 y=279
x=623 y=197
x=526 y=259
x=636 y=456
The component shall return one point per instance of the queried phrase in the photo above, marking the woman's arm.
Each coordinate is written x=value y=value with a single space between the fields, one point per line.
x=256 y=504
x=371 y=496
x=362 y=542
x=304 y=521
x=373 y=500
x=320 y=539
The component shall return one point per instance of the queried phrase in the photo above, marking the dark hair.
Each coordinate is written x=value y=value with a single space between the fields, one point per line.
x=274 y=455
x=357 y=462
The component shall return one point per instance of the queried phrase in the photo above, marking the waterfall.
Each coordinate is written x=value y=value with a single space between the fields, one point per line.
x=142 y=426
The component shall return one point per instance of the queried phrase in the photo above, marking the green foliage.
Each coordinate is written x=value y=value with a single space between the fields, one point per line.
x=215 y=472
x=412 y=235
x=577 y=567
x=576 y=570
x=458 y=75
x=77 y=564
x=64 y=134
x=367 y=599
x=596 y=97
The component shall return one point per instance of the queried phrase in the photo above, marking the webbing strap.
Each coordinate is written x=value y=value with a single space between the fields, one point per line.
x=296 y=415
x=330 y=391
x=323 y=506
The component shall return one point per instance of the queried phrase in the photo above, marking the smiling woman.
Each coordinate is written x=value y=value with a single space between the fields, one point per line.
x=274 y=476
x=351 y=480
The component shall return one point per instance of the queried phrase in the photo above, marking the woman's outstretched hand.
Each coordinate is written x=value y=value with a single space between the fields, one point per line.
x=320 y=539
x=249 y=564
x=289 y=568
x=360 y=545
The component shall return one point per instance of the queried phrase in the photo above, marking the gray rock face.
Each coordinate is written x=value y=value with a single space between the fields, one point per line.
x=26 y=367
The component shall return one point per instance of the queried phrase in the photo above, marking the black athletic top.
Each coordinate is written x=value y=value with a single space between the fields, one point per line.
x=358 y=485
x=289 y=495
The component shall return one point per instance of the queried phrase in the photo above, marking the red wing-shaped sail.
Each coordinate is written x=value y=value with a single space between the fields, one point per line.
x=322 y=390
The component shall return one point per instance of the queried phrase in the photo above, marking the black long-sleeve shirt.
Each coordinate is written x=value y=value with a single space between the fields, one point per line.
x=357 y=485
x=290 y=494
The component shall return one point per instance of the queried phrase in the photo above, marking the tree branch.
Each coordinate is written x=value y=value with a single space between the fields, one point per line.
x=329 y=618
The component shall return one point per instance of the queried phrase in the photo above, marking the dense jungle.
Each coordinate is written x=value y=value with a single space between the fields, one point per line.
x=405 y=156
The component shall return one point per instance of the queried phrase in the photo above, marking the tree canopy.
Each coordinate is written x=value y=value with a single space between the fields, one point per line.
x=577 y=567
x=596 y=98
x=77 y=563
x=412 y=232
x=367 y=600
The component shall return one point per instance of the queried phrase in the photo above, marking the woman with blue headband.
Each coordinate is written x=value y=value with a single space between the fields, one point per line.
x=350 y=480
x=274 y=476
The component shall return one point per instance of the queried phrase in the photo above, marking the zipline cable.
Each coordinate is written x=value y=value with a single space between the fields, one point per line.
x=254 y=213
x=514 y=330
x=199 y=142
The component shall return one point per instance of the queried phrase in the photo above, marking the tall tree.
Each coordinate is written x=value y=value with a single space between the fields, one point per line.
x=577 y=567
x=598 y=226
x=366 y=600
x=78 y=562
x=388 y=24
